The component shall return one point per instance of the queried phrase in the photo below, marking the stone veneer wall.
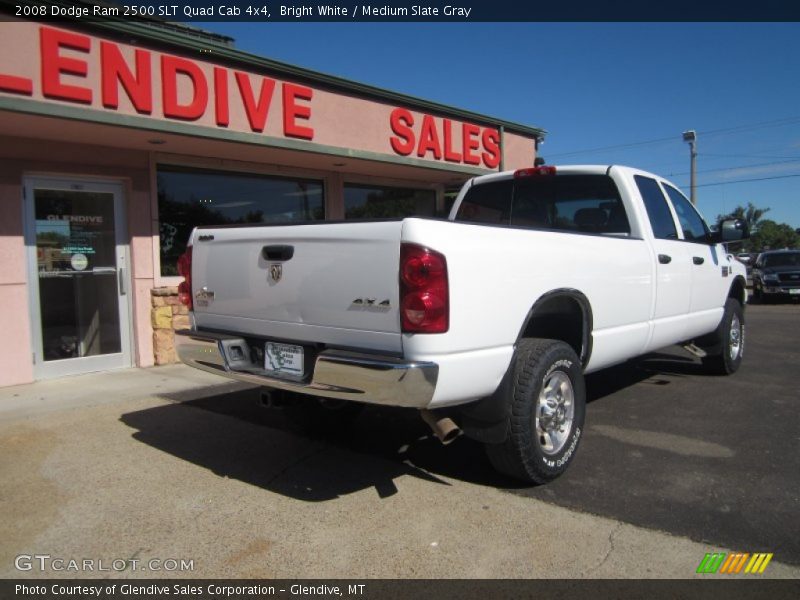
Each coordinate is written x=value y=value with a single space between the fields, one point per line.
x=166 y=315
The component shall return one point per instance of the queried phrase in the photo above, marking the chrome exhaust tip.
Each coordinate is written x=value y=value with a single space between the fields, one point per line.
x=444 y=428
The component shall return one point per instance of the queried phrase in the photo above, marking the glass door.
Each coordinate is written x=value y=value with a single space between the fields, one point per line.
x=78 y=276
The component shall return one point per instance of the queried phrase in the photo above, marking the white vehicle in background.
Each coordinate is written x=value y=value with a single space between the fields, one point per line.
x=486 y=322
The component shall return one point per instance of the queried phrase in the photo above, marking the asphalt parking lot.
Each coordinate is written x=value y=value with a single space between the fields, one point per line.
x=716 y=459
x=673 y=464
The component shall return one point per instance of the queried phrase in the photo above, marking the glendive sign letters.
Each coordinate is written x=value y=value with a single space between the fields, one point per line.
x=85 y=70
x=477 y=145
x=64 y=53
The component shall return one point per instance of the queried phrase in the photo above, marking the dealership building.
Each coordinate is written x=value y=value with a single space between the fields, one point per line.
x=118 y=137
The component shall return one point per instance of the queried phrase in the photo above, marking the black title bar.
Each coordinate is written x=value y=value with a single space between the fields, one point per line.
x=459 y=11
x=708 y=588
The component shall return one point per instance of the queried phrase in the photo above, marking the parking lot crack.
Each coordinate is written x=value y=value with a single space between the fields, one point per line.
x=608 y=553
x=296 y=463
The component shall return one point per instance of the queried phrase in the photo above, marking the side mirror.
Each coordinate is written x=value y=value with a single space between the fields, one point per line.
x=733 y=230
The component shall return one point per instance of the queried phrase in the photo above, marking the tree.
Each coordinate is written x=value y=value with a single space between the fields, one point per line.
x=750 y=213
x=764 y=233
x=773 y=236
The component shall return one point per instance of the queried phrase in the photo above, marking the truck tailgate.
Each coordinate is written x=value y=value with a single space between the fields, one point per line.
x=339 y=287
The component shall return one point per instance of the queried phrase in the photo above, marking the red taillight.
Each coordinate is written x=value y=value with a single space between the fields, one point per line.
x=424 y=293
x=185 y=271
x=535 y=172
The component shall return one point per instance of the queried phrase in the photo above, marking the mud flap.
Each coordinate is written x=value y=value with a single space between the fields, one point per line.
x=486 y=420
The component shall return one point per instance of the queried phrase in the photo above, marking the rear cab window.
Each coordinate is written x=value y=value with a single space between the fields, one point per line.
x=488 y=203
x=569 y=203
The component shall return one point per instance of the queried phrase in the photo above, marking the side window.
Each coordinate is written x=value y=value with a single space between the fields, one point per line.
x=694 y=228
x=488 y=203
x=657 y=208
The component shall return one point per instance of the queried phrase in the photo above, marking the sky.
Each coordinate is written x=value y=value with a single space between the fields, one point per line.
x=619 y=93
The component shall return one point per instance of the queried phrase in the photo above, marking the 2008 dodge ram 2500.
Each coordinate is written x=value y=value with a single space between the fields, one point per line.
x=488 y=321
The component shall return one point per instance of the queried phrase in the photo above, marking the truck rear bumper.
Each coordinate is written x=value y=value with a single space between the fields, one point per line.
x=337 y=374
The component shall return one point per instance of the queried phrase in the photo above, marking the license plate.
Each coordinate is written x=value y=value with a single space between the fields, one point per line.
x=283 y=359
x=795 y=291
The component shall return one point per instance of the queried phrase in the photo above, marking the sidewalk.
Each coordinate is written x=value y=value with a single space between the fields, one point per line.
x=108 y=387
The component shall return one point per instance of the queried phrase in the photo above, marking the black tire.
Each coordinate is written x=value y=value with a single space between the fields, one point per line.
x=528 y=454
x=725 y=356
x=758 y=295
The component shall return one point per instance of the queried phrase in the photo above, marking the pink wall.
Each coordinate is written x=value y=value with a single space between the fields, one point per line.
x=15 y=354
x=518 y=152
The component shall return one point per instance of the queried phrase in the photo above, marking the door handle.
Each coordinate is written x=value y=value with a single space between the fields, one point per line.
x=121 y=281
x=277 y=252
x=664 y=259
x=698 y=260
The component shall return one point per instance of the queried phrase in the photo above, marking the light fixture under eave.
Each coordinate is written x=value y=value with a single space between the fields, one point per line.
x=340 y=164
x=157 y=142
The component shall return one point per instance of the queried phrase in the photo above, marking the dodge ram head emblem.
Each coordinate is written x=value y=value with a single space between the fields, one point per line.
x=276 y=272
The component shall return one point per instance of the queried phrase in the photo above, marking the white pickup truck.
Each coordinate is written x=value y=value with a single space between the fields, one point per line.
x=487 y=321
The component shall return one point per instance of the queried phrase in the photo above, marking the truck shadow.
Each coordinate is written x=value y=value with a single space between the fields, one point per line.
x=651 y=369
x=262 y=447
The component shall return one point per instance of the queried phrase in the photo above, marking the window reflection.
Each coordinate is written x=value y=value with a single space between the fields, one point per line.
x=375 y=202
x=188 y=198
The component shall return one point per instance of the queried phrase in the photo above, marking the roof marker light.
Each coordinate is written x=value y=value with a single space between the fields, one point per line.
x=535 y=172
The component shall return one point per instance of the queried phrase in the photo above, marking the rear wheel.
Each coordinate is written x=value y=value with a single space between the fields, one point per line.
x=548 y=405
x=726 y=357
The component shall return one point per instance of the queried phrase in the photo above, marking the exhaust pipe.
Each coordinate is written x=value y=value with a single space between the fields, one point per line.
x=443 y=427
x=272 y=398
x=265 y=398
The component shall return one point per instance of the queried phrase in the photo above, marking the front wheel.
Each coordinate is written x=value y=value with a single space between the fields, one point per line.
x=548 y=405
x=727 y=356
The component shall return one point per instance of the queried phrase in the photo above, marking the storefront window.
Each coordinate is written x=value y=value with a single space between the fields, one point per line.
x=189 y=197
x=373 y=202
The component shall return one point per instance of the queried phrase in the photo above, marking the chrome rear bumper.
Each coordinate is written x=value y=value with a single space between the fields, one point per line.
x=337 y=374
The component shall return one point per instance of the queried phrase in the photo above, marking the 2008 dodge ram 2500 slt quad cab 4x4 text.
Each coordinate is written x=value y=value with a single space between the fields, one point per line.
x=488 y=321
